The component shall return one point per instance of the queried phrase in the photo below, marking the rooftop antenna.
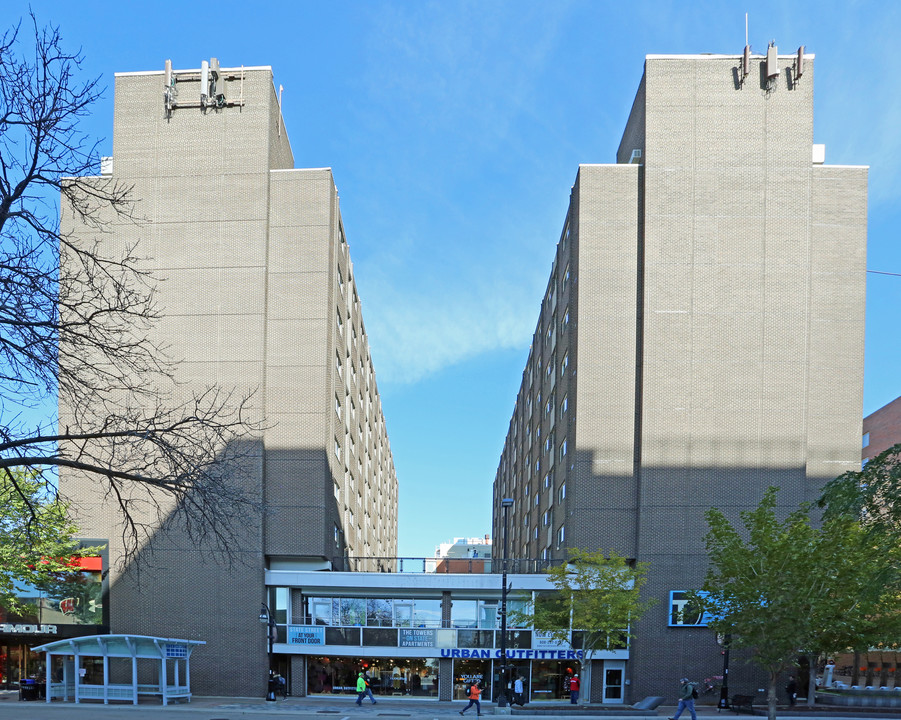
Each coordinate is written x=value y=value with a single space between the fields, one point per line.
x=746 y=55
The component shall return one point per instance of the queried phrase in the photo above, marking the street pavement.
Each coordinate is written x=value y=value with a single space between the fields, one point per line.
x=344 y=708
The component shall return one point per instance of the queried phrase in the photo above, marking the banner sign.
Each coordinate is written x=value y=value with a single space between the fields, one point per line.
x=417 y=637
x=544 y=641
x=306 y=635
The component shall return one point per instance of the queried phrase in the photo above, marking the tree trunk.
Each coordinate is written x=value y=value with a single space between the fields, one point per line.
x=814 y=662
x=855 y=671
x=771 y=696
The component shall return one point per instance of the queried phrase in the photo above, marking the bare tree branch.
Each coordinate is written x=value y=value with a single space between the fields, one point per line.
x=77 y=325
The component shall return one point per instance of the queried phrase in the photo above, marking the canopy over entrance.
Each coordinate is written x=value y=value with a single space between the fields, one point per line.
x=68 y=679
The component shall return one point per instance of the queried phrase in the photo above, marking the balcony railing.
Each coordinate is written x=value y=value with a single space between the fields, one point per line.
x=464 y=566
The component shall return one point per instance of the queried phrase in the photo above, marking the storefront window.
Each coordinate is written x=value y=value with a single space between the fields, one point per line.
x=427 y=613
x=550 y=679
x=488 y=618
x=463 y=614
x=416 y=677
x=379 y=613
x=353 y=611
x=467 y=672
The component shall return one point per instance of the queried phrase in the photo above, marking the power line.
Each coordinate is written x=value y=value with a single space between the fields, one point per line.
x=880 y=272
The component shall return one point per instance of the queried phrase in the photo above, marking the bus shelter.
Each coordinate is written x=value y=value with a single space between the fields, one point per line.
x=166 y=660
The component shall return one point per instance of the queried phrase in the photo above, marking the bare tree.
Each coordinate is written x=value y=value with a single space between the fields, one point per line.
x=76 y=325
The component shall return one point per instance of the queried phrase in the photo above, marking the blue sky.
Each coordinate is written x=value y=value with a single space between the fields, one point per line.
x=455 y=130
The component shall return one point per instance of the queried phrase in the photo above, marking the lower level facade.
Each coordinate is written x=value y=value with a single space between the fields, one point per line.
x=427 y=636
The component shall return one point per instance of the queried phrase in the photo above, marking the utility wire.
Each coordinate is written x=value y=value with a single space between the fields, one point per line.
x=880 y=272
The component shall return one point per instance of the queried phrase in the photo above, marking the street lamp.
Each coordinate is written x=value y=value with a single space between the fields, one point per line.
x=725 y=641
x=506 y=504
x=266 y=617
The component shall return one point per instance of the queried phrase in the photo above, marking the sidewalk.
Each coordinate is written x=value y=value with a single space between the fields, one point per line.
x=344 y=708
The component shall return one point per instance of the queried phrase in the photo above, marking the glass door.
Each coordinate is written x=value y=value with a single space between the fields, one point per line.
x=614 y=670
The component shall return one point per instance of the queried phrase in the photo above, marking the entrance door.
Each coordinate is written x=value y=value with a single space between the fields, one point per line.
x=614 y=671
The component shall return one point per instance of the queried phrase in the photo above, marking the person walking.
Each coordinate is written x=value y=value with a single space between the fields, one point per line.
x=363 y=689
x=475 y=691
x=574 y=686
x=687 y=694
x=518 y=691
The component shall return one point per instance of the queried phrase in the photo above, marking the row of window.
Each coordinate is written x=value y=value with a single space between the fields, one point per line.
x=405 y=612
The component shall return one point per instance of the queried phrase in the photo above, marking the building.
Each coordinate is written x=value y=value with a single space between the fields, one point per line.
x=257 y=293
x=462 y=555
x=700 y=339
x=423 y=635
x=881 y=430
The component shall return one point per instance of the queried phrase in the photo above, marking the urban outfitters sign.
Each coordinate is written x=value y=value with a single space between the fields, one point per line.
x=513 y=654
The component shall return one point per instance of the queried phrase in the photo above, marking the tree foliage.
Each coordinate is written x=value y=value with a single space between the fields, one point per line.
x=37 y=540
x=595 y=593
x=872 y=495
x=76 y=324
x=783 y=587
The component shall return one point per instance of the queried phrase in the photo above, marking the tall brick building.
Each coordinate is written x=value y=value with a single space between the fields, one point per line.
x=700 y=339
x=257 y=293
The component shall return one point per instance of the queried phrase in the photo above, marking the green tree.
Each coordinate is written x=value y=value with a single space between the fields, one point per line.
x=37 y=540
x=871 y=495
x=596 y=593
x=784 y=587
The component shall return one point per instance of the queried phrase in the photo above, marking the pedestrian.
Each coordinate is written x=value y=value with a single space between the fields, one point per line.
x=363 y=689
x=574 y=689
x=686 y=699
x=518 y=691
x=792 y=690
x=475 y=691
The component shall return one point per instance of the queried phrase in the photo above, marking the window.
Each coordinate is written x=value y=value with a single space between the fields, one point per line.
x=547 y=516
x=548 y=443
x=340 y=321
x=562 y=493
x=564 y=364
x=563 y=450
x=337 y=449
x=564 y=406
x=566 y=277
x=565 y=321
x=547 y=480
x=537 y=499
x=866 y=439
x=337 y=407
x=560 y=535
x=338 y=366
x=548 y=406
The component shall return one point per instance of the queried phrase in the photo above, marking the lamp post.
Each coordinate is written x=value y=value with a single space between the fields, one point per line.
x=266 y=617
x=725 y=641
x=506 y=504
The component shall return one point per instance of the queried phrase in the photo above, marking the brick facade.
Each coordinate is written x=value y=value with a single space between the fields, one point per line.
x=701 y=339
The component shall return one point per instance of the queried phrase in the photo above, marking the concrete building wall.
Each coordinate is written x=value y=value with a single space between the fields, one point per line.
x=248 y=253
x=718 y=343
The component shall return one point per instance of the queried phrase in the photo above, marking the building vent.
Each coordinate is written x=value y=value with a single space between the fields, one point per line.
x=799 y=63
x=635 y=159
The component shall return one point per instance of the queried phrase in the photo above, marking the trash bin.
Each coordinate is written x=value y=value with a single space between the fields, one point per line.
x=28 y=689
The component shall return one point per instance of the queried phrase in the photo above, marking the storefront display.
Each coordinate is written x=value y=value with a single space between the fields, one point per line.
x=416 y=677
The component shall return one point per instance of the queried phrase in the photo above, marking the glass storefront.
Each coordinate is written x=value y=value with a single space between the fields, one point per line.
x=467 y=672
x=416 y=677
x=550 y=679
x=17 y=662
